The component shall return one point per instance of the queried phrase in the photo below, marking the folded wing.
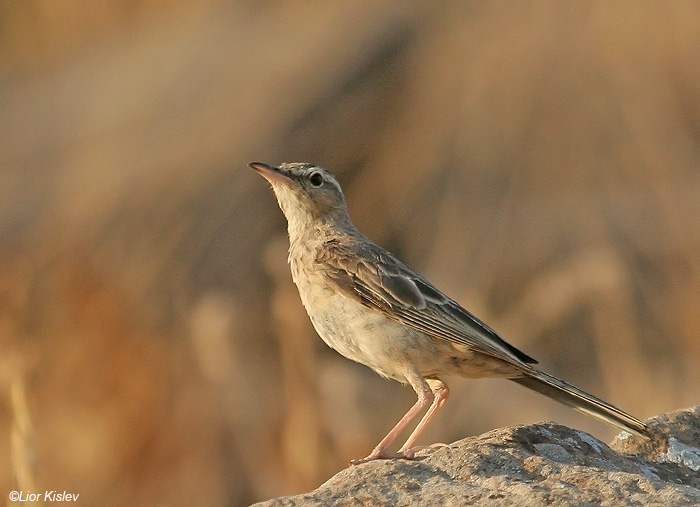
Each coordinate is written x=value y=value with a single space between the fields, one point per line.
x=380 y=281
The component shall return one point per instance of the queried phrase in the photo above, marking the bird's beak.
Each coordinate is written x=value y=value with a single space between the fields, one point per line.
x=271 y=173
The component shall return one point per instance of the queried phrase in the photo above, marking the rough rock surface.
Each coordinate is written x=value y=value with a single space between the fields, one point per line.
x=543 y=464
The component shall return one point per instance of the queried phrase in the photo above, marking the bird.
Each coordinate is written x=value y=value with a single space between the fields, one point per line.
x=374 y=309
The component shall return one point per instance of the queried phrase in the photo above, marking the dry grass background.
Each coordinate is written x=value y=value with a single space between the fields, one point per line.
x=539 y=161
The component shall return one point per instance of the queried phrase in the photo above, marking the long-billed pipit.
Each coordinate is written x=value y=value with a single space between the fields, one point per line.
x=374 y=309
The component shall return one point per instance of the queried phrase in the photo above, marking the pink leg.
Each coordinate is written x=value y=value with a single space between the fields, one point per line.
x=425 y=397
x=440 y=395
x=432 y=392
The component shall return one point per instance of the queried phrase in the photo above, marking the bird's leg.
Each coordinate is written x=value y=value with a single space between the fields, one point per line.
x=425 y=397
x=440 y=394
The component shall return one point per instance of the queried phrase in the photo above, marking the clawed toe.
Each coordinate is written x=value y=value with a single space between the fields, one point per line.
x=409 y=454
x=371 y=457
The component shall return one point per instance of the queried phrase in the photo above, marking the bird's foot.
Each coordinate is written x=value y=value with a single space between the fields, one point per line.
x=423 y=450
x=380 y=454
x=409 y=454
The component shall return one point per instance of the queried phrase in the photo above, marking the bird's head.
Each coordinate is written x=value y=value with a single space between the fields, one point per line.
x=307 y=194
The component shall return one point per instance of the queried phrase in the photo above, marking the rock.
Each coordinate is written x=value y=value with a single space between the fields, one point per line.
x=541 y=464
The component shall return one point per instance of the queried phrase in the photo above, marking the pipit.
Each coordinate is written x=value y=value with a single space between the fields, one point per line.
x=374 y=309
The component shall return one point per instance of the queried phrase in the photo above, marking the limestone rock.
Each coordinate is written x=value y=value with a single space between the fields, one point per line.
x=542 y=464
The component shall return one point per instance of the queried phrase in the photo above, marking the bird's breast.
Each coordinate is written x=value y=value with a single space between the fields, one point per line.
x=367 y=336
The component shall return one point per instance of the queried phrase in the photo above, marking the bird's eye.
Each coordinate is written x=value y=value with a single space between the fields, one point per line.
x=316 y=179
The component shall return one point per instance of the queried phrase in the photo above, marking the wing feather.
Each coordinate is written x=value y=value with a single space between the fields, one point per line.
x=380 y=281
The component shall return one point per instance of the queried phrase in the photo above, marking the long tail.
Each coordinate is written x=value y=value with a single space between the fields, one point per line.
x=577 y=399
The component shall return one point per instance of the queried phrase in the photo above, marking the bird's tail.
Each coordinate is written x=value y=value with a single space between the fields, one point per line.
x=577 y=399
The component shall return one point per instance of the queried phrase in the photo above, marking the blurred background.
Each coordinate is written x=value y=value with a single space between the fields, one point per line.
x=538 y=161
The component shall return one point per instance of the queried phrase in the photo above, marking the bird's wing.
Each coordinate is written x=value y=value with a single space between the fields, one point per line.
x=380 y=281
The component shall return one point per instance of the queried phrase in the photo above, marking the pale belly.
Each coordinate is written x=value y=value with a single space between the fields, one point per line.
x=387 y=346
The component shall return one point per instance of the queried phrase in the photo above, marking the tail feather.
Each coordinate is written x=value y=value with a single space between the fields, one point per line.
x=577 y=399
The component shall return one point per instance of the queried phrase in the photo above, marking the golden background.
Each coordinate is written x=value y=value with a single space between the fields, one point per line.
x=538 y=161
